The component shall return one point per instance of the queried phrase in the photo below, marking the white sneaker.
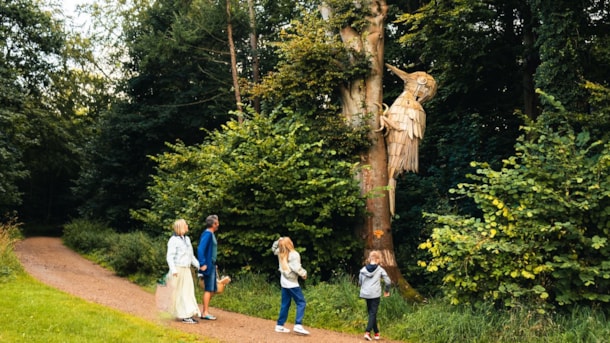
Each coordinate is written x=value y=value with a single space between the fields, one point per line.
x=300 y=329
x=279 y=328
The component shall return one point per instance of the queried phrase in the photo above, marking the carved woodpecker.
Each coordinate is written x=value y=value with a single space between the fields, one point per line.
x=405 y=123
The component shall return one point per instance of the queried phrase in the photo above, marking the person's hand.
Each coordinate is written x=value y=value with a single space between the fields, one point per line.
x=304 y=277
x=386 y=294
x=204 y=267
x=175 y=274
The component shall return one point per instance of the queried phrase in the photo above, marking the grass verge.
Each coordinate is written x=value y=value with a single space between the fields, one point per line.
x=336 y=306
x=33 y=312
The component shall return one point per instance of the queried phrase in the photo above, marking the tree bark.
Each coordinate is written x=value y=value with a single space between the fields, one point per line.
x=254 y=47
x=233 y=61
x=358 y=99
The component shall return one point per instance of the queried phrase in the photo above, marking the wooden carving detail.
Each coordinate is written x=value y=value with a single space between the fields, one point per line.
x=405 y=123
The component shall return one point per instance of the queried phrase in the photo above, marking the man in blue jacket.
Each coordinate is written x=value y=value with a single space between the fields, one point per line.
x=207 y=251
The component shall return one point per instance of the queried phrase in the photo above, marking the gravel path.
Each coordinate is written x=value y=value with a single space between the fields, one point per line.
x=49 y=261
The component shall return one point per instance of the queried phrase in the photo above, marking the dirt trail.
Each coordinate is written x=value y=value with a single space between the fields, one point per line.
x=49 y=261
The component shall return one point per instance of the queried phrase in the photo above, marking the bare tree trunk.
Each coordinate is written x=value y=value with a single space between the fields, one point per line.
x=365 y=97
x=530 y=65
x=233 y=61
x=254 y=47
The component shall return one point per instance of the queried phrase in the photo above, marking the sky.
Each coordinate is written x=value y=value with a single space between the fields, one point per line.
x=69 y=7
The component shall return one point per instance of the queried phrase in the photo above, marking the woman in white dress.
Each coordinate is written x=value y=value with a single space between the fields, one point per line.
x=180 y=257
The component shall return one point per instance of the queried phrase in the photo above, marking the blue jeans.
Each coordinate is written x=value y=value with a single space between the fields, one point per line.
x=287 y=295
x=372 y=305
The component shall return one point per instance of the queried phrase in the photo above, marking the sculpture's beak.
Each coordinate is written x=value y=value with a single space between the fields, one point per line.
x=402 y=74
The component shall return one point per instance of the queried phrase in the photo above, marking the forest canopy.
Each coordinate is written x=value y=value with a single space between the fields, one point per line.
x=239 y=109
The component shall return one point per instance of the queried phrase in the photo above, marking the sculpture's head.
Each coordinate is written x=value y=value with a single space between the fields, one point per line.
x=419 y=84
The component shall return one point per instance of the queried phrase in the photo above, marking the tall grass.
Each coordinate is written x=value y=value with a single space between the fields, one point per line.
x=9 y=264
x=336 y=306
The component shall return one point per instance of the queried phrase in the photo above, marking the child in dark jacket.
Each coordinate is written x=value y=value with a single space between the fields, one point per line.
x=370 y=290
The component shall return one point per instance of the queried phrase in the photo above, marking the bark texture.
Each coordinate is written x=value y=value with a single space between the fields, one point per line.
x=361 y=106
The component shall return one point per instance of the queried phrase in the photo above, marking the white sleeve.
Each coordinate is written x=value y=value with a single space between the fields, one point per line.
x=171 y=255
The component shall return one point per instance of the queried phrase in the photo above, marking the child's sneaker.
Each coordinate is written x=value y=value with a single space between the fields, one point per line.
x=300 y=329
x=377 y=337
x=279 y=328
x=367 y=336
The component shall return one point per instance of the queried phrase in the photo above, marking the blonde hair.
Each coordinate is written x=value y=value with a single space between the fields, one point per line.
x=285 y=246
x=374 y=256
x=180 y=227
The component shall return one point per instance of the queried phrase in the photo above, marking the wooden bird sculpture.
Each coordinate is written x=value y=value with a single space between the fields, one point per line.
x=405 y=123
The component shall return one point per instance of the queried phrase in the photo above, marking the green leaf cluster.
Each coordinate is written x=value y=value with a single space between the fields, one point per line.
x=542 y=233
x=312 y=63
x=176 y=82
x=30 y=43
x=264 y=180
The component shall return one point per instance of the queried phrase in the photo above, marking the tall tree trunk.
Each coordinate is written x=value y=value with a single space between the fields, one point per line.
x=360 y=98
x=233 y=61
x=530 y=63
x=254 y=47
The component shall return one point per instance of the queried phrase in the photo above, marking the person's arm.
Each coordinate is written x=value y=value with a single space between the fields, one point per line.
x=275 y=247
x=294 y=263
x=194 y=260
x=201 y=250
x=171 y=255
x=387 y=283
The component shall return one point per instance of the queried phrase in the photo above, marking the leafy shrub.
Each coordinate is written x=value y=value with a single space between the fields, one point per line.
x=542 y=237
x=263 y=179
x=137 y=253
x=86 y=236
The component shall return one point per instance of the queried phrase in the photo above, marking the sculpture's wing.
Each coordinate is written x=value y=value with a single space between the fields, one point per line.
x=409 y=119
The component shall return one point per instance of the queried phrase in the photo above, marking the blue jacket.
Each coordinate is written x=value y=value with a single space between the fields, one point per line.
x=206 y=251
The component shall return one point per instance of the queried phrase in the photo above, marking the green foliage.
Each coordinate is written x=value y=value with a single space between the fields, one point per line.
x=251 y=294
x=541 y=238
x=475 y=51
x=346 y=312
x=335 y=305
x=9 y=234
x=86 y=236
x=176 y=83
x=30 y=46
x=439 y=323
x=312 y=64
x=263 y=180
x=597 y=121
x=137 y=253
x=45 y=116
x=134 y=254
x=563 y=50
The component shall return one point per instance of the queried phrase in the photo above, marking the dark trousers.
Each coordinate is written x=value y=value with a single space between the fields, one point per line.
x=372 y=305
